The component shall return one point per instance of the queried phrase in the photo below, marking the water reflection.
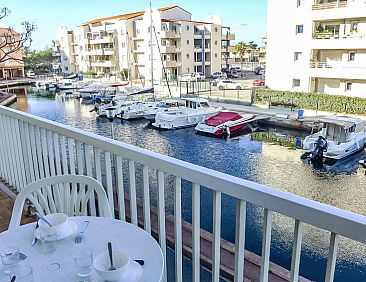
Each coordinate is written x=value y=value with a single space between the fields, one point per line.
x=342 y=185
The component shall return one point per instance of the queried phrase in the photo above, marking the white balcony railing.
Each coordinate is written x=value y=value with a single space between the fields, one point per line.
x=329 y=5
x=33 y=148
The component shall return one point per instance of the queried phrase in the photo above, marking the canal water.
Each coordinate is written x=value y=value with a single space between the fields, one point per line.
x=267 y=158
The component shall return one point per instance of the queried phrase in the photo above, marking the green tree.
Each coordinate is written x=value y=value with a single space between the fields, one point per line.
x=240 y=50
x=39 y=61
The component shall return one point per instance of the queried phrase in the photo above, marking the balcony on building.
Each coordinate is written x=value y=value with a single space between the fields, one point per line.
x=328 y=4
x=228 y=36
x=338 y=64
x=339 y=34
x=62 y=149
x=102 y=63
x=227 y=49
x=171 y=63
x=170 y=30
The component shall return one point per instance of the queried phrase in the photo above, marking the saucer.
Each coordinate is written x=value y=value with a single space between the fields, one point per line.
x=133 y=273
x=70 y=230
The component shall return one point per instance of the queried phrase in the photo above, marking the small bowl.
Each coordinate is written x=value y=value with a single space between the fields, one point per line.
x=59 y=222
x=121 y=261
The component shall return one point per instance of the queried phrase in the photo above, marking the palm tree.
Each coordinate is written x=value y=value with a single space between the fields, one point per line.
x=240 y=50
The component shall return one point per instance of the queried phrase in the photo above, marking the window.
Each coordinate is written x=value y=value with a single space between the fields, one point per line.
x=216 y=42
x=295 y=82
x=351 y=56
x=215 y=55
x=297 y=56
x=187 y=42
x=348 y=86
x=187 y=27
x=187 y=56
x=123 y=45
x=66 y=68
x=188 y=70
x=216 y=29
x=299 y=3
x=299 y=29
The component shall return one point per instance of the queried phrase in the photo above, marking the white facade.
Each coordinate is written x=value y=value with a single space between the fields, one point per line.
x=121 y=44
x=64 y=49
x=319 y=46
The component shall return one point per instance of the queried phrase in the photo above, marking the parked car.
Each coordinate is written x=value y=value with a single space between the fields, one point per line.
x=215 y=81
x=235 y=74
x=218 y=74
x=225 y=70
x=198 y=75
x=259 y=82
x=187 y=77
x=228 y=84
x=235 y=69
x=262 y=72
x=257 y=70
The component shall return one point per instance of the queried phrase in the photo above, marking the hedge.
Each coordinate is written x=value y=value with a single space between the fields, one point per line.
x=311 y=101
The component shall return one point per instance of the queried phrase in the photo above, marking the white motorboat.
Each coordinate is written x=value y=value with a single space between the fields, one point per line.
x=137 y=110
x=224 y=123
x=148 y=110
x=339 y=137
x=194 y=111
x=67 y=84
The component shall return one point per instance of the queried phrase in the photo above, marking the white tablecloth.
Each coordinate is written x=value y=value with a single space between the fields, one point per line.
x=124 y=236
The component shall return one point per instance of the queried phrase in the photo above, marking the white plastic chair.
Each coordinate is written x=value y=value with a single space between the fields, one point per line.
x=69 y=194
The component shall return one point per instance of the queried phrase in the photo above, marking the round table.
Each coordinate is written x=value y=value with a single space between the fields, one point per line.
x=124 y=236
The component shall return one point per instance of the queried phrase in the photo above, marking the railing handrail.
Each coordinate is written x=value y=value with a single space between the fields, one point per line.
x=330 y=218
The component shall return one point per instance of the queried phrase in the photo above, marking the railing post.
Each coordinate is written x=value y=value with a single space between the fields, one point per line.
x=333 y=249
x=296 y=250
x=240 y=240
x=196 y=232
x=217 y=236
x=266 y=244
x=178 y=230
x=161 y=218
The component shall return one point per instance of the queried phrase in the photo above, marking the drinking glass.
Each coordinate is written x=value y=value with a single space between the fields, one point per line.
x=9 y=258
x=23 y=273
x=84 y=262
x=48 y=238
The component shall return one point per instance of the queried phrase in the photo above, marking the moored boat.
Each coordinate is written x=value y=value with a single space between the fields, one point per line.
x=339 y=137
x=224 y=123
x=194 y=111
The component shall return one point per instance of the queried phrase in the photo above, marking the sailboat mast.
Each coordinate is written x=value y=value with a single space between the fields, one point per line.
x=151 y=49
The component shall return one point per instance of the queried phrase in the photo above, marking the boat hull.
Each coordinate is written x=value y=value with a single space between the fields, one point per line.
x=178 y=120
x=226 y=128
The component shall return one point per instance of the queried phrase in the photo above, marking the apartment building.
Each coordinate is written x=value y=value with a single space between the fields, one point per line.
x=10 y=68
x=121 y=43
x=317 y=46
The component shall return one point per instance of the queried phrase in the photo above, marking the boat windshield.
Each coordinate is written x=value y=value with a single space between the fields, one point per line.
x=336 y=133
x=204 y=105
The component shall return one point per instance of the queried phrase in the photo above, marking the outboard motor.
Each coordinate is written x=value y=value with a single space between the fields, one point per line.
x=320 y=147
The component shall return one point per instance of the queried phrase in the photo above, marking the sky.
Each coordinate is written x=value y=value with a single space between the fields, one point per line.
x=247 y=17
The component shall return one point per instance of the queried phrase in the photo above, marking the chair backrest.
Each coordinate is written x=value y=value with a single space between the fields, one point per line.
x=73 y=195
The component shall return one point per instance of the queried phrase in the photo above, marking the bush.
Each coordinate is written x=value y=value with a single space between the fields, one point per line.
x=311 y=101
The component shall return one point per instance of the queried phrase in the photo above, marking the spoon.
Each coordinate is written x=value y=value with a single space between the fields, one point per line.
x=43 y=218
x=111 y=268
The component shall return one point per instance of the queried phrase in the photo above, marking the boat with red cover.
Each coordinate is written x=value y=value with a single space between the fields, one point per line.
x=224 y=123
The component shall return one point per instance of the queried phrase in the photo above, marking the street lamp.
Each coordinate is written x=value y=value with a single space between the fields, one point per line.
x=111 y=113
